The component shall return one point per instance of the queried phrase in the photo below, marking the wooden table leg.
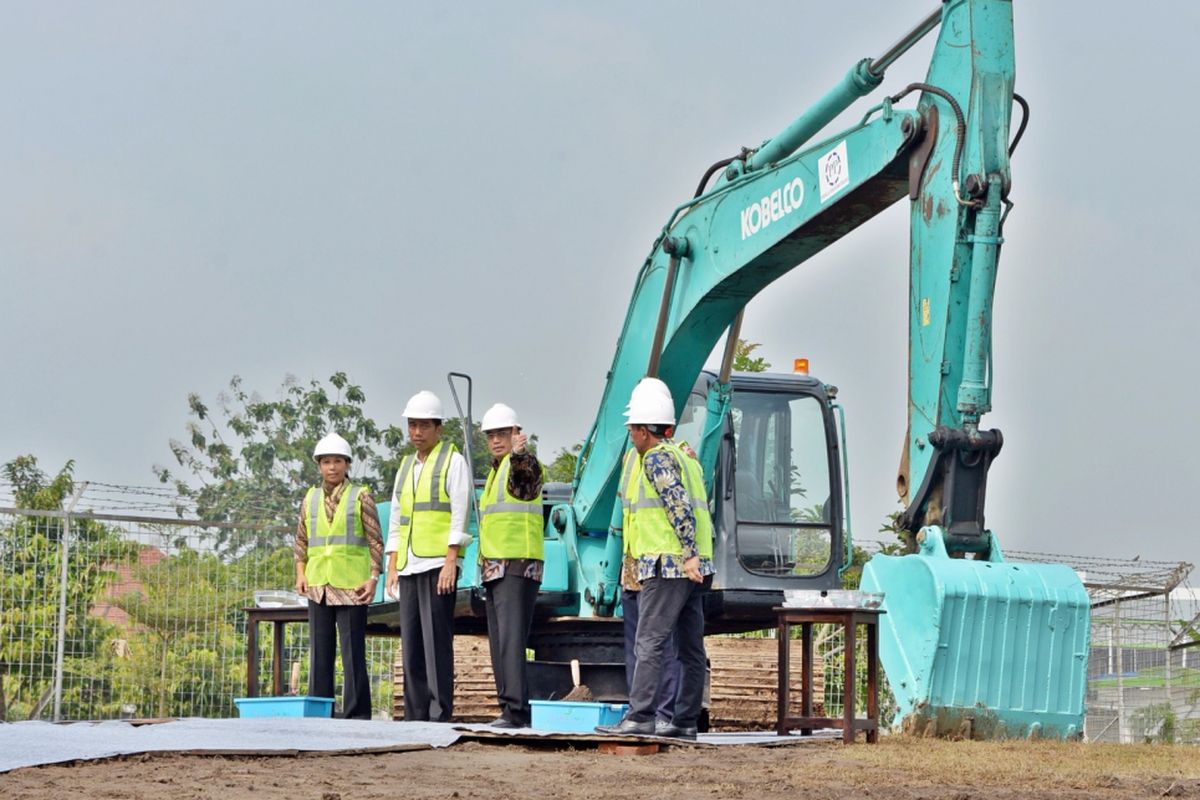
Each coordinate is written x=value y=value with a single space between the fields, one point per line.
x=277 y=659
x=251 y=657
x=806 y=683
x=848 y=680
x=785 y=668
x=873 y=681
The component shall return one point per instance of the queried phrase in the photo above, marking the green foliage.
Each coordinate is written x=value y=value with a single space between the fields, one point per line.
x=32 y=488
x=251 y=459
x=906 y=540
x=481 y=457
x=743 y=361
x=853 y=574
x=30 y=576
x=562 y=468
x=183 y=648
x=1157 y=722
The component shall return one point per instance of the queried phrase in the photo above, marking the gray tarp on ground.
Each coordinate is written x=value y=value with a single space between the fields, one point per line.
x=26 y=744
x=29 y=744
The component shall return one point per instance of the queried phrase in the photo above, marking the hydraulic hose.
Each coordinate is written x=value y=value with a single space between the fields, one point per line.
x=960 y=131
x=1024 y=121
x=722 y=164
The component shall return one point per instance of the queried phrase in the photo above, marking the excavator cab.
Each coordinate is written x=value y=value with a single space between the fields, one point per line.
x=777 y=494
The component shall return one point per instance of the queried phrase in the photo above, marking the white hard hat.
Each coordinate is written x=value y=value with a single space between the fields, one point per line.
x=650 y=408
x=650 y=386
x=332 y=445
x=424 y=405
x=647 y=387
x=499 y=416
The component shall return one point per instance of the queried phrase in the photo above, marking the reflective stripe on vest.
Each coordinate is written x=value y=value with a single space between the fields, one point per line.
x=627 y=475
x=424 y=519
x=509 y=526
x=653 y=533
x=351 y=534
x=338 y=551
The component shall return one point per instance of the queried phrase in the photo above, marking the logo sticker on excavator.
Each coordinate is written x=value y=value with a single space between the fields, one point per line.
x=772 y=208
x=833 y=171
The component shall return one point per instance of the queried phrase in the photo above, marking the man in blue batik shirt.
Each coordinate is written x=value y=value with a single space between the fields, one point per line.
x=669 y=535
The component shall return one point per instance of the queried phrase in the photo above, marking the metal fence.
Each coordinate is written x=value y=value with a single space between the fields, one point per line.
x=1144 y=664
x=107 y=616
x=117 y=615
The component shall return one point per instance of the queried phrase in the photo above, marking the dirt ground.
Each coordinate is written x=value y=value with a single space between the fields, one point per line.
x=898 y=768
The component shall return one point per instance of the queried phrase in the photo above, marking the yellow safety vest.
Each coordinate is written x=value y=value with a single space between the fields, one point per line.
x=424 y=519
x=653 y=533
x=626 y=486
x=508 y=526
x=338 y=553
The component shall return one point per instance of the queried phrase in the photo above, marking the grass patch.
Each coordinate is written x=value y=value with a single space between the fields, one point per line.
x=1012 y=764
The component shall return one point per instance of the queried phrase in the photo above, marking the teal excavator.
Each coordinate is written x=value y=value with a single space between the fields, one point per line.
x=971 y=644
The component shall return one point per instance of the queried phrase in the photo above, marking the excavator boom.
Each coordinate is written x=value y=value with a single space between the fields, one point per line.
x=771 y=209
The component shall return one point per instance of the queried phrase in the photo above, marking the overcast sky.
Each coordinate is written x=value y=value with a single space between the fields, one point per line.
x=196 y=190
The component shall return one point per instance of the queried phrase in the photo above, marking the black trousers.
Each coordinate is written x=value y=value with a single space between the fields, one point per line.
x=666 y=605
x=350 y=623
x=510 y=601
x=668 y=684
x=427 y=645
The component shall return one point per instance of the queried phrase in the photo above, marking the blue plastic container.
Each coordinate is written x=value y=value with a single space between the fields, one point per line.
x=290 y=706
x=568 y=717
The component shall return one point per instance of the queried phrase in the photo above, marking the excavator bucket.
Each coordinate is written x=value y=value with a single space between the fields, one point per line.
x=982 y=649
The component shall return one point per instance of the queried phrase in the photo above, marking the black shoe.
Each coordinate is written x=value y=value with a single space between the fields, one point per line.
x=672 y=731
x=627 y=727
x=506 y=723
x=661 y=725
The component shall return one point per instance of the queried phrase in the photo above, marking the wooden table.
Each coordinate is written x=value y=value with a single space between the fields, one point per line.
x=849 y=619
x=280 y=618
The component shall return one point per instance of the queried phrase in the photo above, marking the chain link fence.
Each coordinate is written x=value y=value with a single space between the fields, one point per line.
x=1144 y=665
x=106 y=616
x=121 y=615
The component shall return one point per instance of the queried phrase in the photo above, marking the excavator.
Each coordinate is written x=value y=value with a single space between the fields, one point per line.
x=970 y=643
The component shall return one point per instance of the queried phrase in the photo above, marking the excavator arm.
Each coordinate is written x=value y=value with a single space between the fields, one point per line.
x=972 y=646
x=773 y=208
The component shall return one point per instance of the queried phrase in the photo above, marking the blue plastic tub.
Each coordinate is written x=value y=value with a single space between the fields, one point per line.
x=568 y=717
x=290 y=706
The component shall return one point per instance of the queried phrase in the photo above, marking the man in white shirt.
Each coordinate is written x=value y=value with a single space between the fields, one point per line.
x=427 y=530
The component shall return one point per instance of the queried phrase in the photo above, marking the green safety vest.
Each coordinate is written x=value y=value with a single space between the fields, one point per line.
x=508 y=526
x=424 y=522
x=338 y=553
x=645 y=518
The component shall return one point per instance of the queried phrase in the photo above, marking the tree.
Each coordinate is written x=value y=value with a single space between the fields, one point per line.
x=251 y=460
x=33 y=489
x=30 y=575
x=183 y=648
x=906 y=540
x=742 y=360
x=481 y=456
x=562 y=468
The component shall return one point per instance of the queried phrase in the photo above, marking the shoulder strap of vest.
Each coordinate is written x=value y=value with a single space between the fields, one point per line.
x=351 y=497
x=402 y=474
x=627 y=473
x=312 y=501
x=492 y=475
x=438 y=479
